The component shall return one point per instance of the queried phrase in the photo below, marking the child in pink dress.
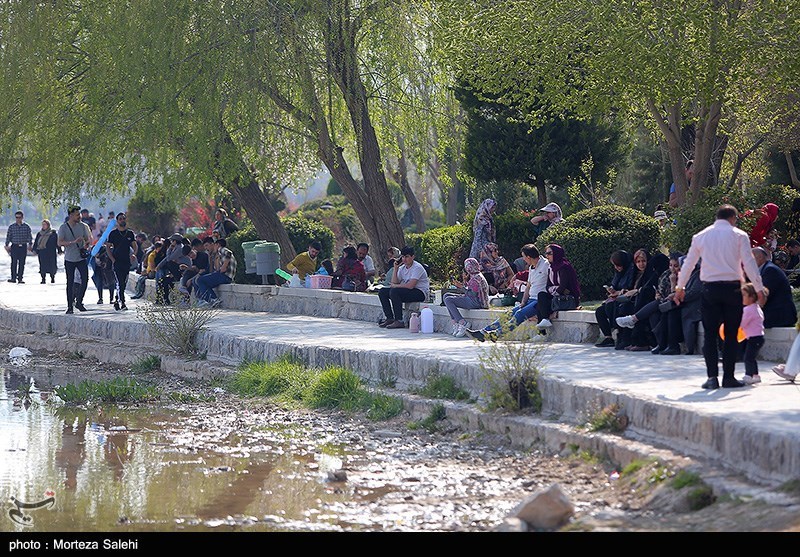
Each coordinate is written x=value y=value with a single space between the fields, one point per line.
x=753 y=327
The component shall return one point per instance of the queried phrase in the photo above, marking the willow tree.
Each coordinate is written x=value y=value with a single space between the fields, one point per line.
x=677 y=62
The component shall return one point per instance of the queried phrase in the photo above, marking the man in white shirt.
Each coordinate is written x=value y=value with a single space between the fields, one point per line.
x=362 y=250
x=538 y=270
x=724 y=250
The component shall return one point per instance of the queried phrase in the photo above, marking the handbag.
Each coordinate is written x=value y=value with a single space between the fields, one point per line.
x=563 y=302
x=666 y=306
x=348 y=284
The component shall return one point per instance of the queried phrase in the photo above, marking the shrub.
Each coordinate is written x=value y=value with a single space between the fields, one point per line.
x=514 y=230
x=442 y=249
x=265 y=378
x=698 y=214
x=337 y=387
x=302 y=231
x=590 y=236
x=176 y=327
x=443 y=386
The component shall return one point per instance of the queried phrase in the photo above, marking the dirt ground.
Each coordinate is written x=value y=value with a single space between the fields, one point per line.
x=454 y=480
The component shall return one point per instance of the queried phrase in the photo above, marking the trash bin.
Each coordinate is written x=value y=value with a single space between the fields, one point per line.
x=250 y=256
x=268 y=258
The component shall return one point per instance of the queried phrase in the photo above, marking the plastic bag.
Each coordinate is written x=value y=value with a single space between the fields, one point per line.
x=18 y=356
x=793 y=361
x=295 y=282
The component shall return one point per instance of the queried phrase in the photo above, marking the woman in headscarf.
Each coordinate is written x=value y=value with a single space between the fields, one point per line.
x=483 y=231
x=496 y=269
x=476 y=296
x=392 y=254
x=645 y=294
x=349 y=270
x=46 y=247
x=767 y=216
x=622 y=280
x=562 y=280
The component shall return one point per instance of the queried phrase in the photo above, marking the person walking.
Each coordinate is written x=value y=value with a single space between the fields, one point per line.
x=18 y=241
x=724 y=249
x=76 y=238
x=118 y=247
x=45 y=246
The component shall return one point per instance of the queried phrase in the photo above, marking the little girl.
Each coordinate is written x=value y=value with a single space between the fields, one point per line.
x=753 y=327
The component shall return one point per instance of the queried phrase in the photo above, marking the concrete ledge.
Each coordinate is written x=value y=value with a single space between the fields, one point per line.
x=575 y=326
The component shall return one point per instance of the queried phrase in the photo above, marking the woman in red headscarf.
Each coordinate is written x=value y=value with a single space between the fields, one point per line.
x=767 y=216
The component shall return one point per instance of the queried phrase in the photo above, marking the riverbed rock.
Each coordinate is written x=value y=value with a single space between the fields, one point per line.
x=512 y=524
x=546 y=509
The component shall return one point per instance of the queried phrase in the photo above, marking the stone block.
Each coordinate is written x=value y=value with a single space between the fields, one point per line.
x=547 y=509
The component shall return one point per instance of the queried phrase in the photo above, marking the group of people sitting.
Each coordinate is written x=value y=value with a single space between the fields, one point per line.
x=195 y=266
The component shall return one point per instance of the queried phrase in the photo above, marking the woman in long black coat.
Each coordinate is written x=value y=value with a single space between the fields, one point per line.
x=46 y=247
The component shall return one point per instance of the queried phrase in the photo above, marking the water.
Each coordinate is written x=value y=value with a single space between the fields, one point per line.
x=167 y=470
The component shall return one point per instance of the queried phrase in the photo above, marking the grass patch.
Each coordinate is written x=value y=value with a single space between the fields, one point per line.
x=684 y=479
x=633 y=467
x=337 y=387
x=384 y=407
x=281 y=377
x=146 y=364
x=431 y=422
x=186 y=398
x=792 y=486
x=115 y=390
x=442 y=387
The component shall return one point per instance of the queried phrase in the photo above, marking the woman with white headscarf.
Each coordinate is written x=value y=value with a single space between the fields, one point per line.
x=551 y=215
x=483 y=231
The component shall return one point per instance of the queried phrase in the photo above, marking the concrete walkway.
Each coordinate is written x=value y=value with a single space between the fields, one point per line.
x=753 y=430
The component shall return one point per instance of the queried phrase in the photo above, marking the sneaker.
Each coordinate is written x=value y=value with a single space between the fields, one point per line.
x=69 y=311
x=751 y=379
x=123 y=306
x=202 y=304
x=100 y=301
x=628 y=321
x=780 y=371
x=477 y=335
x=11 y=280
x=116 y=305
x=20 y=281
x=215 y=302
x=544 y=324
x=80 y=307
x=461 y=330
x=606 y=342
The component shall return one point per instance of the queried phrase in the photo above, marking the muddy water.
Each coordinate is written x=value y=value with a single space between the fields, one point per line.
x=127 y=468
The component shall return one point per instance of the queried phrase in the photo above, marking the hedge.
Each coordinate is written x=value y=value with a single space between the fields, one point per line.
x=442 y=249
x=696 y=215
x=590 y=236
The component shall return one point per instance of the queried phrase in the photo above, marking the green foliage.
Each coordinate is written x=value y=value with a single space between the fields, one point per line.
x=511 y=369
x=266 y=378
x=115 y=390
x=514 y=230
x=431 y=422
x=443 y=249
x=337 y=387
x=701 y=497
x=303 y=231
x=384 y=407
x=590 y=236
x=698 y=214
x=154 y=213
x=146 y=364
x=633 y=467
x=442 y=386
x=187 y=398
x=685 y=478
x=342 y=221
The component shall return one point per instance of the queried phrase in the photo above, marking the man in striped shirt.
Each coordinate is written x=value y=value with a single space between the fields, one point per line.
x=18 y=241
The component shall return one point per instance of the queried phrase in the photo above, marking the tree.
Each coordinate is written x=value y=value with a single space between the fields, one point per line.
x=679 y=62
x=500 y=144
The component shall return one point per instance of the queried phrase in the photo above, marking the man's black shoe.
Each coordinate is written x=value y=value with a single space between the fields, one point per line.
x=731 y=383
x=11 y=280
x=712 y=383
x=69 y=310
x=671 y=352
x=606 y=342
x=116 y=305
x=476 y=334
x=80 y=307
x=20 y=281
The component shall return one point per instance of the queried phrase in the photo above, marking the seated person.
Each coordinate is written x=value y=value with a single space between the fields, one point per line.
x=779 y=309
x=349 y=273
x=201 y=264
x=536 y=282
x=562 y=280
x=223 y=271
x=410 y=283
x=172 y=273
x=475 y=296
x=393 y=254
x=622 y=262
x=496 y=269
x=149 y=270
x=369 y=266
x=641 y=338
x=325 y=268
x=305 y=263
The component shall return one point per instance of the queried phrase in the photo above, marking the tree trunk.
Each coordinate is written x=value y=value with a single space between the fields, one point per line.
x=740 y=158
x=453 y=191
x=541 y=192
x=705 y=137
x=401 y=176
x=670 y=127
x=340 y=46
x=263 y=216
x=792 y=169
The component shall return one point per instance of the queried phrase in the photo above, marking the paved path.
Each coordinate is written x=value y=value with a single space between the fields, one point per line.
x=667 y=388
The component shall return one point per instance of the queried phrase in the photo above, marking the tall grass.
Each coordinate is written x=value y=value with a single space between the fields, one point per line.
x=120 y=389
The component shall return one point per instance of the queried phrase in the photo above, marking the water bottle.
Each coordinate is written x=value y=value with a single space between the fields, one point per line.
x=413 y=323
x=308 y=280
x=426 y=320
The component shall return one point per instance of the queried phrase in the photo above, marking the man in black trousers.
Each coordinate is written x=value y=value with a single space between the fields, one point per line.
x=724 y=250
x=18 y=240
